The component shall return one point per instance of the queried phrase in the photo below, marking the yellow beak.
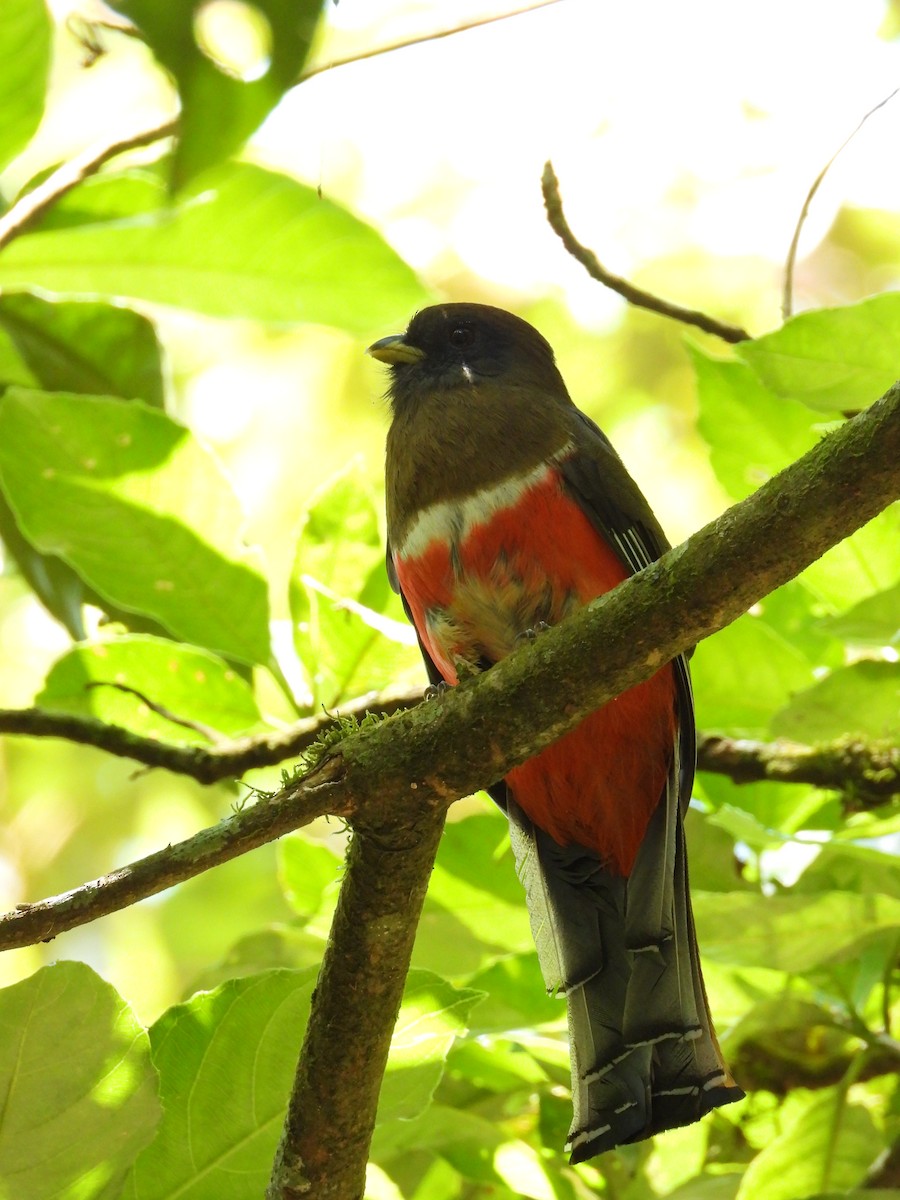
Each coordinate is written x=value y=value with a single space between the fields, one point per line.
x=394 y=349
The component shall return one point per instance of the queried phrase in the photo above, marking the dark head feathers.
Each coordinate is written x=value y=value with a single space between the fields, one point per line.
x=459 y=345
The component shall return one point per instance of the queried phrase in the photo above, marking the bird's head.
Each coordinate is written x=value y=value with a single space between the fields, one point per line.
x=456 y=347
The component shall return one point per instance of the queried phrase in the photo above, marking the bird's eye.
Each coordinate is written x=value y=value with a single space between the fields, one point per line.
x=461 y=337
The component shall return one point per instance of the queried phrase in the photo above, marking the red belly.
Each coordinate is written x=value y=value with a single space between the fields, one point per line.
x=599 y=784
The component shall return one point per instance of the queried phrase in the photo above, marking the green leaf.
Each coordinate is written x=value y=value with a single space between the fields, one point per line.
x=309 y=873
x=830 y=1144
x=475 y=908
x=191 y=683
x=55 y=584
x=98 y=349
x=437 y=1128
x=245 y=243
x=862 y=699
x=752 y=434
x=226 y=1060
x=848 y=867
x=764 y=814
x=219 y=110
x=78 y=1086
x=860 y=565
x=515 y=997
x=833 y=359
x=141 y=511
x=433 y=1014
x=87 y=347
x=747 y=649
x=25 y=45
x=803 y=1032
x=136 y=191
x=796 y=613
x=275 y=946
x=339 y=592
x=708 y=1187
x=789 y=933
x=874 y=621
x=496 y=1065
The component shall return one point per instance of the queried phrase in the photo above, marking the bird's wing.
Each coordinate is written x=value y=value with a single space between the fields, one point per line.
x=600 y=484
x=434 y=675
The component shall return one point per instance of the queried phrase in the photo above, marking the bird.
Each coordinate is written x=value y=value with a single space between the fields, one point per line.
x=507 y=510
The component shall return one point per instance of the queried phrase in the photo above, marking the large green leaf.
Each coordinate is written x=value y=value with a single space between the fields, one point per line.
x=349 y=629
x=309 y=875
x=860 y=699
x=25 y=43
x=847 y=866
x=219 y=111
x=133 y=192
x=873 y=621
x=833 y=359
x=98 y=349
x=189 y=682
x=789 y=933
x=226 y=1060
x=79 y=347
x=54 y=582
x=751 y=432
x=141 y=511
x=515 y=996
x=433 y=1014
x=78 y=1087
x=747 y=649
x=860 y=565
x=475 y=908
x=246 y=242
x=830 y=1143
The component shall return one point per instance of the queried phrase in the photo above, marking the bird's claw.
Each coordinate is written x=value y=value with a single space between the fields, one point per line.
x=529 y=635
x=435 y=690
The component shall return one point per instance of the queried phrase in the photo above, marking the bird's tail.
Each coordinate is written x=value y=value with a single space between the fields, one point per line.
x=623 y=951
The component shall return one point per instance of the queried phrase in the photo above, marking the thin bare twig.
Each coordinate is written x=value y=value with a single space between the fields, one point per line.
x=419 y=39
x=787 y=298
x=120 y=25
x=35 y=203
x=480 y=730
x=634 y=295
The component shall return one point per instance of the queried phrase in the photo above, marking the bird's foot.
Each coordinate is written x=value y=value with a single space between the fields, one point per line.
x=529 y=635
x=435 y=690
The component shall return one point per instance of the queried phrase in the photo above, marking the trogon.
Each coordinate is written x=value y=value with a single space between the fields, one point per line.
x=507 y=509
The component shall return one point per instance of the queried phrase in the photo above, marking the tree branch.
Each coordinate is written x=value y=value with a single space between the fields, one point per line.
x=475 y=733
x=867 y=774
x=634 y=295
x=228 y=758
x=331 y=1115
x=253 y=826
